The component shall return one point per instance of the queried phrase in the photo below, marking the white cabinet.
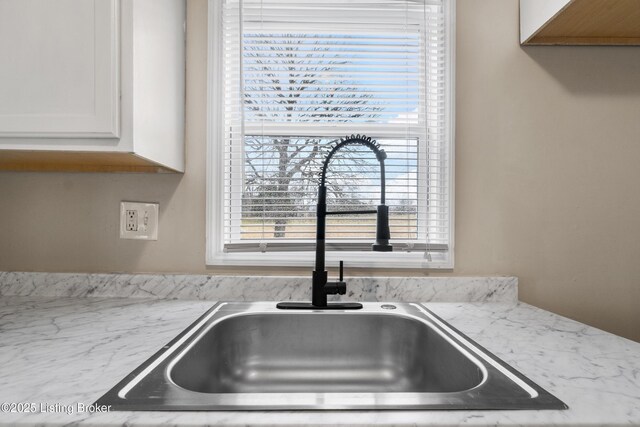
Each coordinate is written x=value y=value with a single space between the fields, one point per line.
x=59 y=73
x=580 y=22
x=92 y=85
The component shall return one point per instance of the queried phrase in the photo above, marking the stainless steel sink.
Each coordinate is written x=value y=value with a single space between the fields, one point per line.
x=252 y=356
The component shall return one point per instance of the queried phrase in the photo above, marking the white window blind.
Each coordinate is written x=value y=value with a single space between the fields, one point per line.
x=297 y=75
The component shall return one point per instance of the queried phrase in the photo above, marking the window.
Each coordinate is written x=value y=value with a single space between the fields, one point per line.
x=287 y=78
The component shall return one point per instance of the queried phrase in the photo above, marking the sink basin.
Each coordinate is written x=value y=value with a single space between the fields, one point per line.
x=323 y=352
x=252 y=356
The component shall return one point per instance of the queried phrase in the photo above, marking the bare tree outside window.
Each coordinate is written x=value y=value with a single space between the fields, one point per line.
x=280 y=172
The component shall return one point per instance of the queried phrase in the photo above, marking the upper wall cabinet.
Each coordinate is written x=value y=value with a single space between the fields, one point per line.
x=92 y=85
x=59 y=73
x=580 y=22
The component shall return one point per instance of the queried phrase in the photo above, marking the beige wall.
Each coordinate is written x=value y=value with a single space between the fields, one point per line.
x=547 y=179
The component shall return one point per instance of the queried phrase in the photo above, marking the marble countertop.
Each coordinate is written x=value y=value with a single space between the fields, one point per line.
x=61 y=352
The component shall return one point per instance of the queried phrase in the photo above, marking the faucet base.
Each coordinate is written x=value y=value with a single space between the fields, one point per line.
x=309 y=306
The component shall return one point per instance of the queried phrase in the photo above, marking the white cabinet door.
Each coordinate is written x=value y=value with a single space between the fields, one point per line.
x=59 y=68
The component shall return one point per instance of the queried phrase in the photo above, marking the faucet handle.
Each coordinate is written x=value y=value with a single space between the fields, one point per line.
x=333 y=288
x=338 y=287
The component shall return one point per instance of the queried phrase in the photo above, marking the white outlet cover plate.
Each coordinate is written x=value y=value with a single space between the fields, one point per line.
x=147 y=221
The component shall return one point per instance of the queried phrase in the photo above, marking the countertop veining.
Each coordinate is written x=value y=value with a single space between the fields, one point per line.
x=62 y=352
x=252 y=288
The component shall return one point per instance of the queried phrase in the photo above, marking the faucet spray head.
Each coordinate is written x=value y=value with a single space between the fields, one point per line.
x=382 y=230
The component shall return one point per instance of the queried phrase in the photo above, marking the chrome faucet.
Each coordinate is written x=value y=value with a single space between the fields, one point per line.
x=321 y=287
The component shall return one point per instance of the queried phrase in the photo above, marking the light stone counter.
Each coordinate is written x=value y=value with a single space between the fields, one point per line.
x=252 y=288
x=65 y=351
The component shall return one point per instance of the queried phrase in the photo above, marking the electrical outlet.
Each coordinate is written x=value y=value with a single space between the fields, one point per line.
x=139 y=220
x=131 y=220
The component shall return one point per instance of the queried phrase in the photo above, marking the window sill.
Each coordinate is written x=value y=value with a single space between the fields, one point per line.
x=351 y=259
